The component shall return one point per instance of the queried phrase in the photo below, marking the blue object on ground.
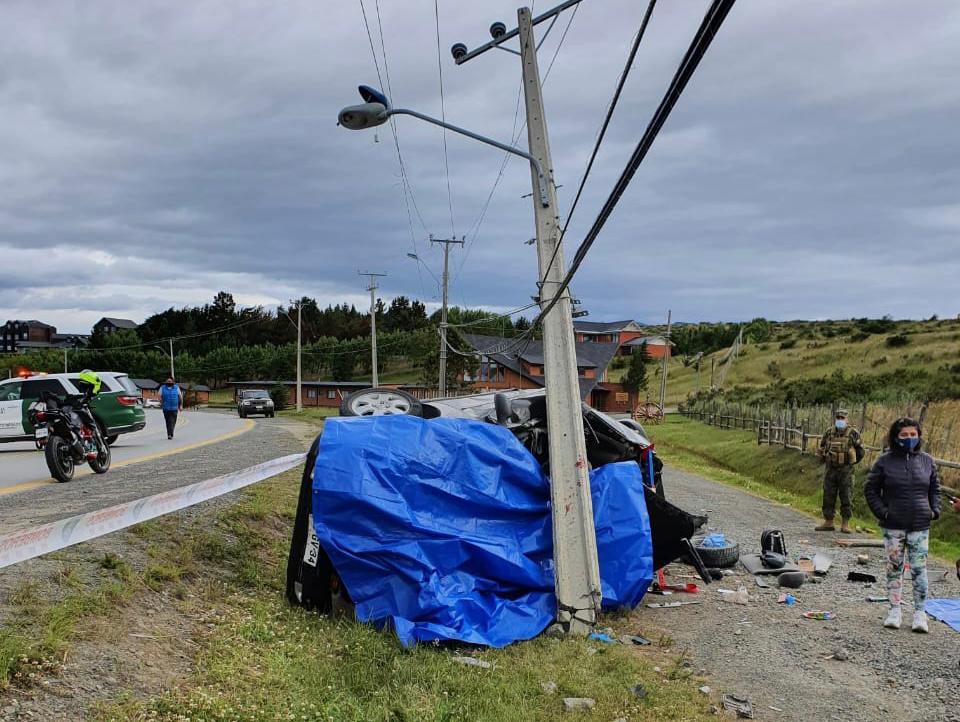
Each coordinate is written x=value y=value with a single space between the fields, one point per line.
x=946 y=610
x=600 y=637
x=714 y=541
x=441 y=528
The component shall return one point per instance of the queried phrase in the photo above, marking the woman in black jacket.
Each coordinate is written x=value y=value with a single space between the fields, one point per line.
x=904 y=494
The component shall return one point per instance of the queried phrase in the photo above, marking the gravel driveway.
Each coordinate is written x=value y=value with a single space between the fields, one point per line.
x=768 y=653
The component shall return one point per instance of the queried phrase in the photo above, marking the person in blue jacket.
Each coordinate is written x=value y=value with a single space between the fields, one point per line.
x=171 y=401
x=903 y=492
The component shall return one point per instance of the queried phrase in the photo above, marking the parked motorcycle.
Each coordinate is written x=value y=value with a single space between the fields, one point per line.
x=69 y=435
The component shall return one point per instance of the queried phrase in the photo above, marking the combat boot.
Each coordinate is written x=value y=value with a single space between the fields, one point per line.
x=826 y=526
x=845 y=527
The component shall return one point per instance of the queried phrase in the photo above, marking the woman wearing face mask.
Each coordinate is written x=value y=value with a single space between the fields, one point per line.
x=904 y=494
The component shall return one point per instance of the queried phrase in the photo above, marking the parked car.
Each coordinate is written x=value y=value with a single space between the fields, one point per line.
x=254 y=401
x=151 y=403
x=311 y=580
x=116 y=408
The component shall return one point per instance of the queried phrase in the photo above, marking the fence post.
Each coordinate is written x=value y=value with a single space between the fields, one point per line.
x=783 y=423
x=863 y=417
x=803 y=438
x=923 y=413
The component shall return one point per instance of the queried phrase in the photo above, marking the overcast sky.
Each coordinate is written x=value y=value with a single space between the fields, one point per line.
x=153 y=153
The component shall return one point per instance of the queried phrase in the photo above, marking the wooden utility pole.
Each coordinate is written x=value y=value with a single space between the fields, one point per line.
x=663 y=369
x=299 y=350
x=446 y=242
x=372 y=287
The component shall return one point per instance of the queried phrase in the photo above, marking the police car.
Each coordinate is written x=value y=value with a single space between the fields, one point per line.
x=116 y=408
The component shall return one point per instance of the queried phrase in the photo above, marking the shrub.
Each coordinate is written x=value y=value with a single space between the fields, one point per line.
x=789 y=343
x=859 y=336
x=773 y=371
x=279 y=395
x=879 y=361
x=897 y=341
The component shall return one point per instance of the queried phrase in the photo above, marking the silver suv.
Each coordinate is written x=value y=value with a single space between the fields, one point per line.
x=254 y=401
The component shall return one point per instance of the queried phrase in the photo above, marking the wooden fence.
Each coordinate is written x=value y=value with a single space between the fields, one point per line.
x=790 y=428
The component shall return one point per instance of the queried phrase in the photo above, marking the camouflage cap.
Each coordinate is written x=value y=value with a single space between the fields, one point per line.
x=841 y=412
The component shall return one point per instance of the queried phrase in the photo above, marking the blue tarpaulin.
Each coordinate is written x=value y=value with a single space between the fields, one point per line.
x=946 y=610
x=441 y=528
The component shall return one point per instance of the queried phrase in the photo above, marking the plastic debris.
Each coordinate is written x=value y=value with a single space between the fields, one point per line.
x=601 y=637
x=472 y=662
x=549 y=687
x=714 y=541
x=863 y=559
x=634 y=639
x=704 y=689
x=671 y=605
x=638 y=691
x=877 y=599
x=575 y=704
x=787 y=599
x=740 y=705
x=819 y=614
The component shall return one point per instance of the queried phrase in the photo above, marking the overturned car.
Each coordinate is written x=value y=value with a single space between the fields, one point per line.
x=438 y=525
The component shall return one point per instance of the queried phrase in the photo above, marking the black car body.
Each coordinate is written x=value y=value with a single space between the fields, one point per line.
x=311 y=580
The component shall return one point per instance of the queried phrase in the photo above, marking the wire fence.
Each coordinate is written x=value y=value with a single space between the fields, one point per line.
x=800 y=428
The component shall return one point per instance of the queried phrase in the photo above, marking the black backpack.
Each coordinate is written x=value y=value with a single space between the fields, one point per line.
x=771 y=540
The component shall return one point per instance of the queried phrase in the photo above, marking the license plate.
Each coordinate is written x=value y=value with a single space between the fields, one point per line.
x=311 y=552
x=41 y=432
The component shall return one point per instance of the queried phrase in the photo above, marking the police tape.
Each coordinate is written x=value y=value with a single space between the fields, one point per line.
x=29 y=543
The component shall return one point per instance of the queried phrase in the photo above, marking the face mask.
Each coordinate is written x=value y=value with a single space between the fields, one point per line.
x=840 y=424
x=909 y=443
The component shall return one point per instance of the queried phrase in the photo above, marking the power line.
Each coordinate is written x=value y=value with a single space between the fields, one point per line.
x=443 y=117
x=183 y=337
x=698 y=47
x=603 y=130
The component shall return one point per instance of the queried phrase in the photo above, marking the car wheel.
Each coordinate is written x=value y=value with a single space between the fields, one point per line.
x=241 y=415
x=719 y=557
x=380 y=402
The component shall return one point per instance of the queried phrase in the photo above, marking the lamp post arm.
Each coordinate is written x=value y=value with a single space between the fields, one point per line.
x=541 y=178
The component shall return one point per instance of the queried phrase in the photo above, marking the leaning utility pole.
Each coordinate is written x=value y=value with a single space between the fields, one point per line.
x=373 y=321
x=663 y=369
x=446 y=242
x=299 y=351
x=577 y=570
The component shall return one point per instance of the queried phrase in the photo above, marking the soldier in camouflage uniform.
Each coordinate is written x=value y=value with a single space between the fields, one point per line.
x=840 y=449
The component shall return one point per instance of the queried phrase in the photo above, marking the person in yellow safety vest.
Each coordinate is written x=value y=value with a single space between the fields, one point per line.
x=840 y=449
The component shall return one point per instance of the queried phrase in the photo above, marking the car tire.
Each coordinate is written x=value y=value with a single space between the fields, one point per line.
x=241 y=415
x=719 y=557
x=378 y=401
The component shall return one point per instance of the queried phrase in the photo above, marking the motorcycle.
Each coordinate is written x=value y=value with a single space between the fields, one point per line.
x=69 y=435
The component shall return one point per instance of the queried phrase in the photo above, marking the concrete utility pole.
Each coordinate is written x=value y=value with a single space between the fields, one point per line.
x=65 y=369
x=574 y=538
x=663 y=369
x=446 y=242
x=299 y=348
x=373 y=321
x=171 y=359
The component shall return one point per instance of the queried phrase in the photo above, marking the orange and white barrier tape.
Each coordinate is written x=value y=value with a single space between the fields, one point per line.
x=29 y=543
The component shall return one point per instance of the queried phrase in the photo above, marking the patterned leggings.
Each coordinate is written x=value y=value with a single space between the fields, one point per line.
x=916 y=544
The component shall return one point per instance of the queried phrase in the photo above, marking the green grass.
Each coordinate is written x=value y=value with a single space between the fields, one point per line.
x=785 y=476
x=309 y=415
x=268 y=661
x=932 y=344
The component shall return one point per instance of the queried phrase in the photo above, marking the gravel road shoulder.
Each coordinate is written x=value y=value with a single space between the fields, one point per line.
x=770 y=654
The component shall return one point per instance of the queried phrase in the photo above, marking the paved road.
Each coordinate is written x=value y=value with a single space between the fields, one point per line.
x=266 y=439
x=22 y=466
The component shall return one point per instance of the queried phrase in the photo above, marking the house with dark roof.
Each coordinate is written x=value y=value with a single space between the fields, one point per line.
x=24 y=336
x=108 y=325
x=628 y=335
x=504 y=364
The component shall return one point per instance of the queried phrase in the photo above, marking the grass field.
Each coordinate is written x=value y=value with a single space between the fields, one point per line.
x=785 y=476
x=814 y=351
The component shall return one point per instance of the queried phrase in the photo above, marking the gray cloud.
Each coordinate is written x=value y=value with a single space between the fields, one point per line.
x=151 y=154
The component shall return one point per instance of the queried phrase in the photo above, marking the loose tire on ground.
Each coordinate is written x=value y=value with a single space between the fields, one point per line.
x=719 y=557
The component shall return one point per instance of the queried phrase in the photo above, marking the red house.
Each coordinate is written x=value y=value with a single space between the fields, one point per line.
x=627 y=335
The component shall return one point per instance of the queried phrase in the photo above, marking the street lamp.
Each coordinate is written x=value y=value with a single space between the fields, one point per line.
x=156 y=345
x=376 y=111
x=419 y=260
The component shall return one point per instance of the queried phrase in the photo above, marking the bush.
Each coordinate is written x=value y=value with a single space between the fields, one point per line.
x=789 y=343
x=879 y=361
x=279 y=395
x=875 y=325
x=897 y=341
x=859 y=336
